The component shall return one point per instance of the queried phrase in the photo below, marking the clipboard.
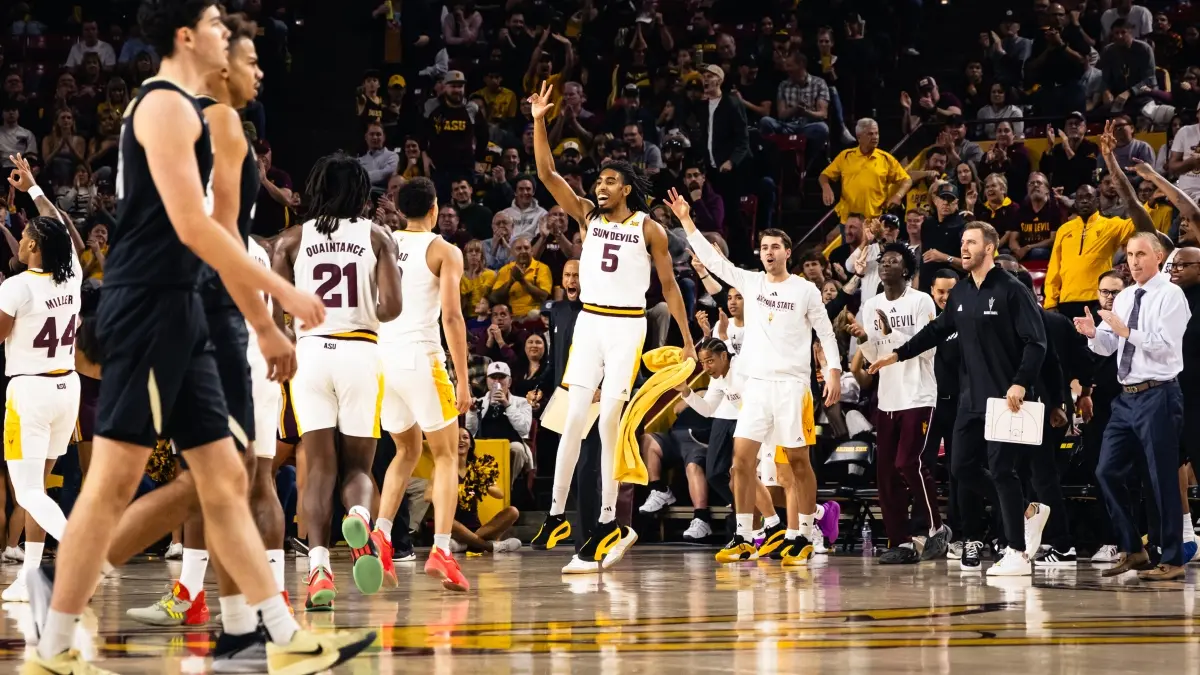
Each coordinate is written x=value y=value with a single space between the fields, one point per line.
x=1005 y=426
x=554 y=415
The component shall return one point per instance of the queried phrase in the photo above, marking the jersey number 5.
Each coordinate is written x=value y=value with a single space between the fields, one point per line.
x=48 y=337
x=331 y=276
x=609 y=259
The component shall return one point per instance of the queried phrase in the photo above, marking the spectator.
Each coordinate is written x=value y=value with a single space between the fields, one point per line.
x=1129 y=150
x=415 y=162
x=497 y=250
x=966 y=180
x=1000 y=106
x=541 y=69
x=722 y=131
x=1163 y=155
x=941 y=235
x=116 y=98
x=63 y=148
x=871 y=179
x=523 y=284
x=454 y=130
x=477 y=280
x=447 y=223
x=933 y=171
x=497 y=340
x=461 y=27
x=525 y=212
x=1009 y=158
x=1111 y=203
x=752 y=89
x=997 y=208
x=630 y=111
x=575 y=121
x=1166 y=42
x=1184 y=160
x=532 y=378
x=1137 y=19
x=275 y=196
x=475 y=218
x=1072 y=161
x=642 y=154
x=1008 y=54
x=975 y=93
x=934 y=109
x=399 y=115
x=477 y=478
x=500 y=415
x=674 y=151
x=1128 y=69
x=801 y=106
x=827 y=61
x=77 y=198
x=1059 y=60
x=708 y=210
x=92 y=260
x=379 y=162
x=913 y=220
x=135 y=45
x=501 y=101
x=1157 y=205
x=553 y=244
x=368 y=104
x=1037 y=222
x=90 y=43
x=852 y=240
x=14 y=138
x=953 y=139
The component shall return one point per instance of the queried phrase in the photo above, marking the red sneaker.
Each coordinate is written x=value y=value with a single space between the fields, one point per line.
x=288 y=601
x=384 y=547
x=174 y=608
x=443 y=565
x=321 y=591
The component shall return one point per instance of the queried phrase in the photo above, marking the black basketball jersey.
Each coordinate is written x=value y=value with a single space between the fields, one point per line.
x=211 y=287
x=143 y=248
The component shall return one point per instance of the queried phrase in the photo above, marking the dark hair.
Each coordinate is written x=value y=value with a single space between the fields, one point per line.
x=946 y=273
x=1025 y=278
x=855 y=214
x=989 y=233
x=55 y=245
x=1111 y=273
x=775 y=232
x=85 y=337
x=1005 y=257
x=416 y=198
x=905 y=253
x=160 y=19
x=338 y=187
x=240 y=28
x=1119 y=22
x=812 y=255
x=935 y=150
x=638 y=198
x=712 y=344
x=523 y=177
x=695 y=162
x=9 y=104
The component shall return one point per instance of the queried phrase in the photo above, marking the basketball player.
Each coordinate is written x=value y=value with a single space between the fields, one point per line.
x=781 y=313
x=418 y=396
x=907 y=397
x=350 y=263
x=160 y=376
x=619 y=245
x=38 y=321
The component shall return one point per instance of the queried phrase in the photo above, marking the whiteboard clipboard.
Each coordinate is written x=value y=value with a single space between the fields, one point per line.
x=1004 y=426
x=554 y=415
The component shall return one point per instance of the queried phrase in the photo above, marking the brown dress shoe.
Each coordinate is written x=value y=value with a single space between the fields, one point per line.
x=1129 y=561
x=1163 y=573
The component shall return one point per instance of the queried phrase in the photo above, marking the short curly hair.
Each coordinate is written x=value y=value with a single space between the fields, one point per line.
x=906 y=254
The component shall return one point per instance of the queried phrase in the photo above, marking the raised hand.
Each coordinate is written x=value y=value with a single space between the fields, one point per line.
x=21 y=177
x=1086 y=324
x=540 y=102
x=1144 y=170
x=678 y=205
x=1108 y=142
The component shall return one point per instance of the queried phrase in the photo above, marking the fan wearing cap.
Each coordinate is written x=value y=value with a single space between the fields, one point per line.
x=941 y=234
x=1072 y=161
x=932 y=106
x=722 y=123
x=455 y=128
x=1059 y=52
x=400 y=116
x=500 y=414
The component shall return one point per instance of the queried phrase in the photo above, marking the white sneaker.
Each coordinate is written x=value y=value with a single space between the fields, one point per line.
x=506 y=545
x=1013 y=564
x=14 y=554
x=818 y=543
x=614 y=555
x=174 y=552
x=954 y=550
x=1034 y=525
x=456 y=547
x=580 y=566
x=697 y=530
x=17 y=592
x=657 y=501
x=1107 y=553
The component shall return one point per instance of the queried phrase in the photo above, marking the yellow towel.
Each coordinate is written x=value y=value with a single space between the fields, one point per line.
x=670 y=370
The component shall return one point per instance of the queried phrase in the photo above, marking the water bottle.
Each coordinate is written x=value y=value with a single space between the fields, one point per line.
x=868 y=541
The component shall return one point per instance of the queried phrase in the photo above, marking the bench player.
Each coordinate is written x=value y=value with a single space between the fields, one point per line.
x=620 y=244
x=350 y=263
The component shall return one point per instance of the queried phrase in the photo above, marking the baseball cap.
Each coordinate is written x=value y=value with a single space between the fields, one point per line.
x=947 y=191
x=890 y=221
x=1076 y=115
x=749 y=59
x=714 y=69
x=453 y=77
x=397 y=81
x=926 y=82
x=571 y=145
x=631 y=90
x=498 y=368
x=1009 y=17
x=673 y=144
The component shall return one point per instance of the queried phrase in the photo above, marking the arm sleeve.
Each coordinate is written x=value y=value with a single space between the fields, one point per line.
x=706 y=405
x=1053 y=281
x=820 y=322
x=1167 y=336
x=716 y=263
x=930 y=336
x=925 y=316
x=520 y=415
x=13 y=296
x=741 y=133
x=1031 y=332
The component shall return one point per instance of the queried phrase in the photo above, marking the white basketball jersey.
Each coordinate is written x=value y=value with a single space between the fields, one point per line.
x=339 y=268
x=259 y=254
x=614 y=267
x=420 y=289
x=45 y=319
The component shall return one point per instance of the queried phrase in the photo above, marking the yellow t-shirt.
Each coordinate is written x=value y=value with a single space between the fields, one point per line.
x=502 y=104
x=1081 y=254
x=86 y=258
x=1162 y=214
x=556 y=91
x=867 y=180
x=519 y=300
x=472 y=290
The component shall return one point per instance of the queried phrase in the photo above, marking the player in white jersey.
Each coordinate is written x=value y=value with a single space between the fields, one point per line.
x=907 y=398
x=620 y=245
x=350 y=263
x=418 y=395
x=39 y=311
x=781 y=313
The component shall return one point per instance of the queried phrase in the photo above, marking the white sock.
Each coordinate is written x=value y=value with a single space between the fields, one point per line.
x=820 y=512
x=57 y=634
x=1188 y=533
x=745 y=525
x=318 y=556
x=791 y=534
x=276 y=618
x=33 y=555
x=442 y=541
x=276 y=560
x=236 y=616
x=361 y=511
x=579 y=402
x=384 y=525
x=806 y=525
x=771 y=520
x=195 y=564
x=610 y=431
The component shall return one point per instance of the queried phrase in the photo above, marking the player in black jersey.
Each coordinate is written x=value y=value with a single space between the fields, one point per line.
x=160 y=376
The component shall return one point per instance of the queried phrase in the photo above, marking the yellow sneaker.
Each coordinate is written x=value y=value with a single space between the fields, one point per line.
x=315 y=652
x=797 y=552
x=772 y=541
x=737 y=550
x=67 y=663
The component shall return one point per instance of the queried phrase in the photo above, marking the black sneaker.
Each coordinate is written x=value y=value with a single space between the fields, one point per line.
x=937 y=545
x=972 y=551
x=1052 y=557
x=796 y=552
x=772 y=546
x=240 y=653
x=404 y=554
x=901 y=555
x=737 y=550
x=553 y=531
x=591 y=554
x=299 y=546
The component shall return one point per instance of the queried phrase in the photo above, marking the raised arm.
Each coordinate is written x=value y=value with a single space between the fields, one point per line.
x=577 y=207
x=709 y=256
x=22 y=179
x=1188 y=209
x=659 y=251
x=1137 y=212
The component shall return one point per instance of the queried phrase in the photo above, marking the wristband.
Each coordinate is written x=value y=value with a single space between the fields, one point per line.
x=35 y=192
x=705 y=277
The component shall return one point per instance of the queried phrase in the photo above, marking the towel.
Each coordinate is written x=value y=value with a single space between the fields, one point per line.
x=670 y=370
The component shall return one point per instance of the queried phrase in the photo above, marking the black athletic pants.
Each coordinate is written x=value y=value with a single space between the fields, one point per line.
x=973 y=460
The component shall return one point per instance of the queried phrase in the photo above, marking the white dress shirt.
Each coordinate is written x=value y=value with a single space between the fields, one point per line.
x=1158 y=339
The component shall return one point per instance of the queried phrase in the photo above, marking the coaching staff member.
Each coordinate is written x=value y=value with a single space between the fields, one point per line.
x=1145 y=329
x=1002 y=343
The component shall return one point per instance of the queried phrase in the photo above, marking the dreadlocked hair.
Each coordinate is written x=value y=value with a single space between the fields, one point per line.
x=638 y=198
x=338 y=187
x=55 y=246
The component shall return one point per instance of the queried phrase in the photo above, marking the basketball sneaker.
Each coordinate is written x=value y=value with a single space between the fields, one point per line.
x=364 y=554
x=442 y=565
x=603 y=539
x=385 y=558
x=67 y=663
x=553 y=531
x=316 y=652
x=175 y=608
x=737 y=550
x=697 y=530
x=240 y=653
x=796 y=552
x=969 y=561
x=18 y=591
x=613 y=548
x=404 y=554
x=1049 y=556
x=828 y=522
x=772 y=540
x=321 y=591
x=1035 y=521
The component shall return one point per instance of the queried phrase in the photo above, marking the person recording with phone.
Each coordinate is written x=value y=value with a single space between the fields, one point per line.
x=500 y=415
